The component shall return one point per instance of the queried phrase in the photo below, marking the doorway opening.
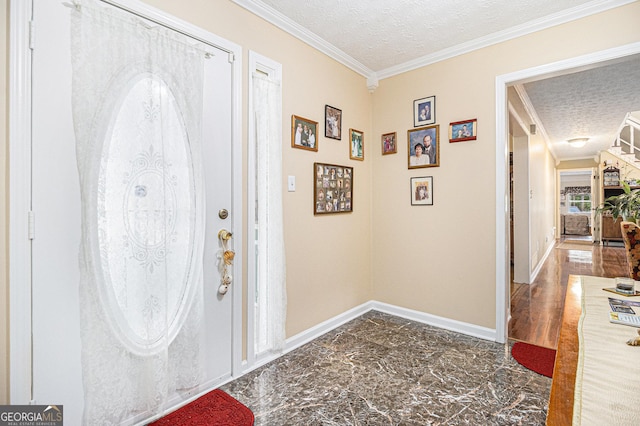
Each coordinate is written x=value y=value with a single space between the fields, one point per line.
x=503 y=210
x=576 y=206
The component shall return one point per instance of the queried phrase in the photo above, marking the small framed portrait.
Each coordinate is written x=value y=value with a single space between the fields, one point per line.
x=356 y=145
x=333 y=189
x=304 y=133
x=422 y=191
x=424 y=111
x=389 y=143
x=424 y=147
x=332 y=122
x=460 y=131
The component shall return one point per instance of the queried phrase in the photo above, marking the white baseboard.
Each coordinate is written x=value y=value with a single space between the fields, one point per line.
x=436 y=321
x=316 y=331
x=538 y=267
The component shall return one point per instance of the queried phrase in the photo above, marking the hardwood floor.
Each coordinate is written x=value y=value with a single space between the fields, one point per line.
x=536 y=309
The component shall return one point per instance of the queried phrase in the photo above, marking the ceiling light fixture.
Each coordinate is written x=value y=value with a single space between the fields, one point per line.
x=578 y=142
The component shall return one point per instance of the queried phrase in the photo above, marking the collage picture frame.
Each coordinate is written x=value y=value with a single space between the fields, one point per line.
x=333 y=189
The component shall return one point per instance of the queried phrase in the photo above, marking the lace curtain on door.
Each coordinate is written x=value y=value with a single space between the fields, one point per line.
x=270 y=287
x=137 y=106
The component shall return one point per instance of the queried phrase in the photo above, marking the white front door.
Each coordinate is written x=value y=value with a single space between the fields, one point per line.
x=56 y=205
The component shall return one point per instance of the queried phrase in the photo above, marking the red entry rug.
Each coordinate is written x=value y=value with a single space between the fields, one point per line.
x=216 y=408
x=535 y=358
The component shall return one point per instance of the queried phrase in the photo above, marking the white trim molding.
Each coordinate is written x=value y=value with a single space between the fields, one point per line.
x=530 y=109
x=286 y=24
x=436 y=321
x=324 y=327
x=259 y=8
x=538 y=267
x=19 y=202
x=540 y=24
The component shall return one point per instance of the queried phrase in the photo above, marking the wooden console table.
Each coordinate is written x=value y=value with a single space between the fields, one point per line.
x=564 y=373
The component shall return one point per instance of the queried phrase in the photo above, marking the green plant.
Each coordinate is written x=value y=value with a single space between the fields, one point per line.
x=625 y=205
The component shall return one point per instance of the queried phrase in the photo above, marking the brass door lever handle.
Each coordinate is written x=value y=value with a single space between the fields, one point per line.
x=224 y=235
x=227 y=257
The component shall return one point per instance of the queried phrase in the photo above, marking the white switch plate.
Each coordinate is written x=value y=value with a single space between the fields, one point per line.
x=292 y=183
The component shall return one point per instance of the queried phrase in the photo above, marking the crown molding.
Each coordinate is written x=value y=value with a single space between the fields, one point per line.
x=530 y=109
x=539 y=24
x=271 y=15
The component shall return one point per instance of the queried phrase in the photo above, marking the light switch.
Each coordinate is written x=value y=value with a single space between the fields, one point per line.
x=292 y=183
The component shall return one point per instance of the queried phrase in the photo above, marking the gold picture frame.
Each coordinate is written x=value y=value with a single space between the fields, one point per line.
x=389 y=143
x=424 y=147
x=304 y=133
x=356 y=145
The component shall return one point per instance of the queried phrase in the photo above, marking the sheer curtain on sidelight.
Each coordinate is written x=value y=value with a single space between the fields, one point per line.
x=270 y=303
x=137 y=106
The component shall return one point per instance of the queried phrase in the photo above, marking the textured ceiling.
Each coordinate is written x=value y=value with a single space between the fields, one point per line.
x=384 y=33
x=380 y=38
x=591 y=103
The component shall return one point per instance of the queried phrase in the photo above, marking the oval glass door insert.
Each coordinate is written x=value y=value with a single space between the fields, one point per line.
x=146 y=217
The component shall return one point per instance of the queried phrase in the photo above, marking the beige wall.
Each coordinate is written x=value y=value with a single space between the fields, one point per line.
x=538 y=194
x=414 y=257
x=328 y=257
x=542 y=207
x=423 y=257
x=577 y=164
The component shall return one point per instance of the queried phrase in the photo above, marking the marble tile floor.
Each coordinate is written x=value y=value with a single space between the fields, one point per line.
x=384 y=370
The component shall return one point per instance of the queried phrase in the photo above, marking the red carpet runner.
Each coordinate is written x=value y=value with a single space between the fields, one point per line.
x=535 y=358
x=214 y=408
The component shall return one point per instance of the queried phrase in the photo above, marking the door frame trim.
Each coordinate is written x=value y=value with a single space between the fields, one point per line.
x=586 y=61
x=20 y=122
x=19 y=202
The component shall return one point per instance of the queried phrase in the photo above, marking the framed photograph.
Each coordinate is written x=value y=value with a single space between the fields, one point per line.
x=356 y=145
x=333 y=122
x=422 y=191
x=304 y=133
x=424 y=147
x=424 y=111
x=332 y=189
x=460 y=131
x=389 y=143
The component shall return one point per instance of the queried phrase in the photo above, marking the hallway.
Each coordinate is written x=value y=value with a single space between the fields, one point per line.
x=536 y=309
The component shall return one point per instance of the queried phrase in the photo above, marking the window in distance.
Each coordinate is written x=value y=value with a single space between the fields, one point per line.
x=579 y=203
